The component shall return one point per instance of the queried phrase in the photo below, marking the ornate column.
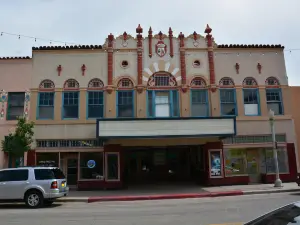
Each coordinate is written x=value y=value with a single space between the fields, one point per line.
x=150 y=42
x=182 y=62
x=211 y=63
x=139 y=37
x=110 y=52
x=171 y=42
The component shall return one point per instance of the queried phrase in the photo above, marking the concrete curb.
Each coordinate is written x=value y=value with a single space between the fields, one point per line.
x=255 y=192
x=172 y=196
x=161 y=197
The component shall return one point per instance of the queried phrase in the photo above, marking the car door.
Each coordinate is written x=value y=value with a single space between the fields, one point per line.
x=2 y=185
x=14 y=183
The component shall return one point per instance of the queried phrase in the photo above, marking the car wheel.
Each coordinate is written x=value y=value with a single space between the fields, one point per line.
x=34 y=199
x=48 y=202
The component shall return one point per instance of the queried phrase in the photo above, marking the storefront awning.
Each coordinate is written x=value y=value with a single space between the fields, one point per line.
x=166 y=127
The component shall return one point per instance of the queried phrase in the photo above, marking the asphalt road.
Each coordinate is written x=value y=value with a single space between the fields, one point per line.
x=176 y=212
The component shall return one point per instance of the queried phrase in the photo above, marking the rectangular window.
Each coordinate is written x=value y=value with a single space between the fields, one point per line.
x=70 y=105
x=163 y=104
x=251 y=102
x=15 y=105
x=46 y=105
x=125 y=104
x=228 y=102
x=91 y=165
x=274 y=101
x=95 y=104
x=282 y=157
x=199 y=102
x=235 y=162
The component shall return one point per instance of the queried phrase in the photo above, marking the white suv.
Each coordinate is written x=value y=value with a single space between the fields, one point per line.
x=36 y=186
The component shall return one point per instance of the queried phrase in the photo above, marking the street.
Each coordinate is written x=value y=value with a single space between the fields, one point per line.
x=203 y=211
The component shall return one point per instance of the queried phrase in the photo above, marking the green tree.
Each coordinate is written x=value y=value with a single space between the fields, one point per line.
x=19 y=141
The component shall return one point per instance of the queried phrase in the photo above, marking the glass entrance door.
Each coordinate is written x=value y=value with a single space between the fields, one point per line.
x=72 y=171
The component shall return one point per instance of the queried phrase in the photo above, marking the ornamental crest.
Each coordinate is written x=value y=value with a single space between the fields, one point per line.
x=161 y=48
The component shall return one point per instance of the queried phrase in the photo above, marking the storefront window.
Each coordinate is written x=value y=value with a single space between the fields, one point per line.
x=47 y=159
x=235 y=162
x=91 y=165
x=282 y=161
x=112 y=166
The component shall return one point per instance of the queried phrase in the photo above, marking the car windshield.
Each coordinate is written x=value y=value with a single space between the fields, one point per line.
x=286 y=215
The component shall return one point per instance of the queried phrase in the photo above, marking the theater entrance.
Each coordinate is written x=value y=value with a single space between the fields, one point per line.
x=172 y=164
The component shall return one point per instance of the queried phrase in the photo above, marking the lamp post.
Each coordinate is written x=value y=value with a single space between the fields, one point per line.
x=278 y=182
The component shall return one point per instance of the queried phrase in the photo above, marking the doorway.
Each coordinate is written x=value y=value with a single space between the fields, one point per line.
x=69 y=166
x=253 y=165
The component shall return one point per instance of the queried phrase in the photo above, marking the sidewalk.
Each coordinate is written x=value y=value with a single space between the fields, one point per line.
x=175 y=192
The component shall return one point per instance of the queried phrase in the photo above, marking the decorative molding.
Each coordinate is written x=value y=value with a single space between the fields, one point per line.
x=59 y=69
x=83 y=68
x=156 y=78
x=227 y=82
x=47 y=85
x=198 y=82
x=96 y=83
x=259 y=67
x=237 y=68
x=71 y=84
x=249 y=81
x=3 y=99
x=272 y=81
x=26 y=106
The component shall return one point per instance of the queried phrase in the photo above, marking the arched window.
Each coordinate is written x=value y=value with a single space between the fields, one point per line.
x=199 y=98
x=274 y=95
x=71 y=99
x=95 y=84
x=125 y=99
x=95 y=96
x=71 y=84
x=249 y=81
x=163 y=98
x=251 y=97
x=162 y=79
x=198 y=82
x=47 y=85
x=272 y=81
x=226 y=82
x=46 y=100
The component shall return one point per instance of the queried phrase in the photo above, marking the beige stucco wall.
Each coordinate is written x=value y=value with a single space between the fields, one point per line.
x=273 y=65
x=45 y=66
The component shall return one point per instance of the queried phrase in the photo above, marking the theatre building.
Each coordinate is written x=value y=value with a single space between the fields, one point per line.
x=155 y=107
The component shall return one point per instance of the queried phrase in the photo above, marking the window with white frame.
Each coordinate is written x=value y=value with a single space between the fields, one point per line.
x=251 y=102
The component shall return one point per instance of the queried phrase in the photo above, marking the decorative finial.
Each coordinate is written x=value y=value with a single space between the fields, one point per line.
x=139 y=29
x=207 y=29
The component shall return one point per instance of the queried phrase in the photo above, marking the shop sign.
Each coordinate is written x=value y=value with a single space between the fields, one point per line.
x=215 y=163
x=91 y=164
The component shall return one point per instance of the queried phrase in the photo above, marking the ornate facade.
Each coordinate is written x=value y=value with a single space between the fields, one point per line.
x=99 y=104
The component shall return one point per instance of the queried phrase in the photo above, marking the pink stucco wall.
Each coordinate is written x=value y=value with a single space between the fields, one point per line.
x=15 y=76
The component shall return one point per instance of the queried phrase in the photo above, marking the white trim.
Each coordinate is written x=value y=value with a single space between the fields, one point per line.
x=147 y=70
x=167 y=66
x=156 y=67
x=175 y=71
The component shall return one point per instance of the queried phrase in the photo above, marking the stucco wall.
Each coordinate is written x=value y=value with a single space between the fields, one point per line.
x=15 y=76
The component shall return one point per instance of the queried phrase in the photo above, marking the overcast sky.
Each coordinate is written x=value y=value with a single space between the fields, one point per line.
x=90 y=21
